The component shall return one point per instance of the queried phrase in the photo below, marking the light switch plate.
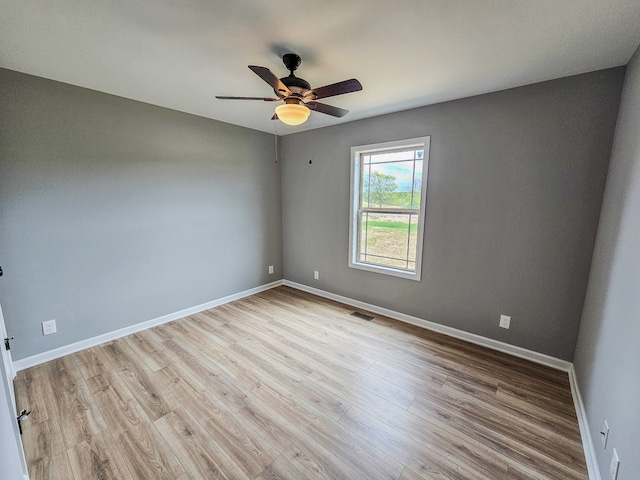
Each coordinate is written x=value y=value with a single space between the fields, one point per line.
x=604 y=434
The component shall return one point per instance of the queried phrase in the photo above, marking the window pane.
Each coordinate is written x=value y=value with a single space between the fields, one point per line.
x=362 y=244
x=417 y=184
x=413 y=239
x=366 y=186
x=382 y=186
x=391 y=185
x=385 y=239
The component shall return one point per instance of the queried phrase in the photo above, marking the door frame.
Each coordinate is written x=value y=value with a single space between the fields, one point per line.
x=13 y=459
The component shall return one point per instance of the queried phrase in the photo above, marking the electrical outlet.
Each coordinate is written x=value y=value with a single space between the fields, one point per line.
x=614 y=465
x=270 y=269
x=49 y=327
x=316 y=275
x=505 y=321
x=604 y=434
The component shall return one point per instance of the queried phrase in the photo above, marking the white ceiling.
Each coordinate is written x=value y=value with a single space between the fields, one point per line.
x=406 y=53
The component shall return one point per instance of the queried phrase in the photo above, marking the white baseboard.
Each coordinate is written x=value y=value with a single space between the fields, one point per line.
x=541 y=358
x=585 y=432
x=43 y=357
x=563 y=365
x=436 y=327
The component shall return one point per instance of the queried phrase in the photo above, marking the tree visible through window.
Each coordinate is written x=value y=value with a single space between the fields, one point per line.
x=388 y=206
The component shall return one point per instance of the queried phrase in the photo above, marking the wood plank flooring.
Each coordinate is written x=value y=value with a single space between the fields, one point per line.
x=286 y=385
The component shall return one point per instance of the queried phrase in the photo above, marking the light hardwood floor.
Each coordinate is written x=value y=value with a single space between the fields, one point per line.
x=286 y=385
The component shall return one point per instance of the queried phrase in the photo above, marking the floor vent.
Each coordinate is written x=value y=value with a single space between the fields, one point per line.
x=362 y=316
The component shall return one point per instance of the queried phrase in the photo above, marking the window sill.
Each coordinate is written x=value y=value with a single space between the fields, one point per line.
x=386 y=271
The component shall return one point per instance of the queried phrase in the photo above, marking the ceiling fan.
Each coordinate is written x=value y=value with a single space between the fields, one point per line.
x=298 y=96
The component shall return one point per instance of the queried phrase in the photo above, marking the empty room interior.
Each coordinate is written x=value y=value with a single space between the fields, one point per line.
x=404 y=243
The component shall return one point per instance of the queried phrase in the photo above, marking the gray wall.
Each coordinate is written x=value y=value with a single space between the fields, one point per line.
x=515 y=186
x=607 y=360
x=114 y=212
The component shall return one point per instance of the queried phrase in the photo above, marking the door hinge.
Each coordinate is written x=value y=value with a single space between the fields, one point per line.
x=23 y=416
x=7 y=345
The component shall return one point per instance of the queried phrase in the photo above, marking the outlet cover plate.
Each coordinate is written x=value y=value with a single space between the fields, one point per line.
x=270 y=269
x=614 y=465
x=505 y=321
x=316 y=275
x=49 y=327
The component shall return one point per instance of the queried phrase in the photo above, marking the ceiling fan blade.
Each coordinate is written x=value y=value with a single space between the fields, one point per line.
x=275 y=116
x=266 y=74
x=346 y=86
x=266 y=99
x=328 y=109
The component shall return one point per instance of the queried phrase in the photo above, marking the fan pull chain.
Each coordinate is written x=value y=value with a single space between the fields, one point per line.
x=275 y=137
x=309 y=143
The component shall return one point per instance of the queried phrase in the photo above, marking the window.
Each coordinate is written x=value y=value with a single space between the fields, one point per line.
x=388 y=195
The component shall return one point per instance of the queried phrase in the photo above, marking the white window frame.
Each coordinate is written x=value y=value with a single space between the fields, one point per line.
x=356 y=176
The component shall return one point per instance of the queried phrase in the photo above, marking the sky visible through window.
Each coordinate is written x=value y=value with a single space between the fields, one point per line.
x=392 y=179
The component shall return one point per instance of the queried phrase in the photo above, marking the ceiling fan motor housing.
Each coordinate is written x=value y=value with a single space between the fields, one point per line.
x=298 y=86
x=291 y=61
x=295 y=84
